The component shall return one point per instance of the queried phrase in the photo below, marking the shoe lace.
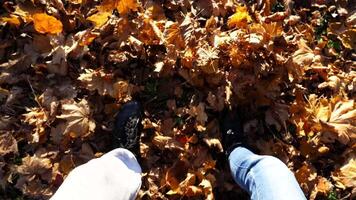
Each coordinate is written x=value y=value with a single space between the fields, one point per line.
x=130 y=129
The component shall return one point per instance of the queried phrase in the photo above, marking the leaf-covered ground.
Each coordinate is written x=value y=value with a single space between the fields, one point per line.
x=66 y=67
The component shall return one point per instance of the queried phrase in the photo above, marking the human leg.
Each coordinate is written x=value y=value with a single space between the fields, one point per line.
x=114 y=176
x=117 y=174
x=263 y=177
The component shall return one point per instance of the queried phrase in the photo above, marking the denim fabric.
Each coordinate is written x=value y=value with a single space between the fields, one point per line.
x=263 y=177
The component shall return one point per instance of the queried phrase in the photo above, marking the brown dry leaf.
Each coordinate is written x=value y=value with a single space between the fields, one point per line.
x=35 y=188
x=47 y=24
x=166 y=142
x=341 y=123
x=306 y=176
x=333 y=82
x=8 y=144
x=199 y=113
x=98 y=80
x=88 y=38
x=208 y=59
x=301 y=59
x=207 y=189
x=35 y=165
x=214 y=142
x=323 y=187
x=175 y=174
x=348 y=38
x=123 y=90
x=345 y=177
x=78 y=120
x=173 y=34
x=105 y=85
x=319 y=108
x=277 y=116
x=186 y=187
x=38 y=118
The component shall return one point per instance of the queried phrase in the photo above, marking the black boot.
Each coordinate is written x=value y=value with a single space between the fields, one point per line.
x=127 y=127
x=232 y=131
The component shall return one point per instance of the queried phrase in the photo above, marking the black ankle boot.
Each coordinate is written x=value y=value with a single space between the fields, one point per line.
x=127 y=127
x=232 y=131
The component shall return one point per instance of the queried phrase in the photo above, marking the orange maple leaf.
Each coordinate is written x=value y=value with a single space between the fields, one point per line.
x=123 y=6
x=240 y=19
x=47 y=24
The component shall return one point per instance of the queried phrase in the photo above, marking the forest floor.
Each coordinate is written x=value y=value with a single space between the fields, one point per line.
x=66 y=67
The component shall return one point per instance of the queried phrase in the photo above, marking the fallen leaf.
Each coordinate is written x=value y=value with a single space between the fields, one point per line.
x=341 y=123
x=345 y=177
x=306 y=177
x=38 y=118
x=166 y=142
x=12 y=19
x=78 y=119
x=8 y=144
x=47 y=24
x=99 y=19
x=240 y=19
x=322 y=187
x=123 y=6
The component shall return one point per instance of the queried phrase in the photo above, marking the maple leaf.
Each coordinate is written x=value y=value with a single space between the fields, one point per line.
x=341 y=124
x=37 y=117
x=78 y=120
x=173 y=34
x=306 y=176
x=208 y=59
x=345 y=177
x=277 y=116
x=8 y=144
x=99 y=19
x=105 y=85
x=34 y=165
x=47 y=24
x=166 y=142
x=12 y=19
x=199 y=113
x=123 y=6
x=240 y=19
x=323 y=186
x=98 y=80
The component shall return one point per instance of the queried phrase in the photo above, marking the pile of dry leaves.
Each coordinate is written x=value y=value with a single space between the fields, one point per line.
x=66 y=67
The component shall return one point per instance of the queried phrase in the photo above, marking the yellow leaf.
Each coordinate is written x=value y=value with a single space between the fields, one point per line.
x=240 y=19
x=123 y=6
x=47 y=24
x=99 y=18
x=76 y=1
x=13 y=20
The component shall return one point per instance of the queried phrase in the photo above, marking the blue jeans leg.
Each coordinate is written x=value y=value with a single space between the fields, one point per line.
x=263 y=177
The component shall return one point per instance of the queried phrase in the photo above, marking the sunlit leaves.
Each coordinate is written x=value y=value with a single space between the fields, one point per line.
x=47 y=24
x=123 y=6
x=240 y=19
x=99 y=18
x=14 y=20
